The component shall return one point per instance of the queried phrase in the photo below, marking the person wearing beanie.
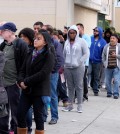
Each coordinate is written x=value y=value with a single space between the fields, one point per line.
x=15 y=50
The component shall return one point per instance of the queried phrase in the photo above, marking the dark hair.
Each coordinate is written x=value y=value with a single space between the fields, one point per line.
x=80 y=24
x=29 y=33
x=115 y=35
x=50 y=29
x=65 y=27
x=60 y=32
x=46 y=36
x=38 y=23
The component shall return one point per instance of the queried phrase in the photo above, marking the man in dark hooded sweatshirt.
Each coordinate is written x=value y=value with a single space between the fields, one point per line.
x=97 y=45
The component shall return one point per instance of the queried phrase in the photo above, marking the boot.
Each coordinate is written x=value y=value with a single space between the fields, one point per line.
x=21 y=130
x=39 y=131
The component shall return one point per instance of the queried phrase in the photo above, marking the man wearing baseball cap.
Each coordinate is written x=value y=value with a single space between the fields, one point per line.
x=15 y=50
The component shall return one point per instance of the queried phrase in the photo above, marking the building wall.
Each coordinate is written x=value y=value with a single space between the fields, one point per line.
x=86 y=16
x=25 y=12
x=117 y=19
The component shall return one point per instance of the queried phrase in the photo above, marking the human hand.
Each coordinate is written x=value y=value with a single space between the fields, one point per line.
x=22 y=84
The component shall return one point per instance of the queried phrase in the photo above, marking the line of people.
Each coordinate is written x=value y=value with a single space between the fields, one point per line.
x=44 y=65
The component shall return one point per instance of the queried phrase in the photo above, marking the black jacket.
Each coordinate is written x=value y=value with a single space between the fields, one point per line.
x=20 y=51
x=36 y=73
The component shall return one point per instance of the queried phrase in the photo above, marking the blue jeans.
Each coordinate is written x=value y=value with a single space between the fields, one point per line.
x=46 y=100
x=29 y=119
x=109 y=74
x=54 y=96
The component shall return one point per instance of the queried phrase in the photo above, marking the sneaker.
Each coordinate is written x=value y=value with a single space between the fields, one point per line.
x=53 y=121
x=109 y=95
x=79 y=108
x=68 y=108
x=96 y=94
x=115 y=97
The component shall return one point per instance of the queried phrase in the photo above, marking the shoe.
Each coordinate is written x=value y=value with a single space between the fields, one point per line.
x=79 y=108
x=68 y=108
x=95 y=94
x=53 y=121
x=115 y=97
x=109 y=95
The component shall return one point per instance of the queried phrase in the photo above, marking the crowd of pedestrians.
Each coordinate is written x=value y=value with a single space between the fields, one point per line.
x=44 y=65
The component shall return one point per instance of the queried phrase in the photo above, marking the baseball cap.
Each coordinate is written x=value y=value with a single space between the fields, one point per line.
x=9 y=26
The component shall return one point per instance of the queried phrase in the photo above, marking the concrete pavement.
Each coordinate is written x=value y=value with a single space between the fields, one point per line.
x=101 y=115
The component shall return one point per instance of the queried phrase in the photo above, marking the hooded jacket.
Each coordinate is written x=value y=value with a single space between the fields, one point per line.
x=97 y=47
x=76 y=54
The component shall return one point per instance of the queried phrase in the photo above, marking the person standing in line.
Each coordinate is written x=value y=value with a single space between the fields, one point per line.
x=37 y=26
x=15 y=50
x=1 y=38
x=75 y=52
x=95 y=60
x=27 y=34
x=54 y=76
x=34 y=79
x=87 y=38
x=111 y=61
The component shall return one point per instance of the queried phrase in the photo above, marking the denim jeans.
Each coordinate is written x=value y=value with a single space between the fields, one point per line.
x=54 y=96
x=26 y=101
x=94 y=69
x=29 y=119
x=112 y=74
x=46 y=100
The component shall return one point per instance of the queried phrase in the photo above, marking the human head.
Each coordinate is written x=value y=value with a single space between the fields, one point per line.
x=1 y=38
x=114 y=39
x=8 y=31
x=80 y=27
x=42 y=39
x=65 y=31
x=98 y=32
x=56 y=35
x=37 y=26
x=27 y=34
x=73 y=33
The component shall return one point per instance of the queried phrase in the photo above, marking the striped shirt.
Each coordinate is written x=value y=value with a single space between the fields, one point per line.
x=112 y=61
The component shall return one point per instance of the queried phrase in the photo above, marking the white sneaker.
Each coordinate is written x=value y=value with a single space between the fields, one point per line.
x=68 y=108
x=79 y=108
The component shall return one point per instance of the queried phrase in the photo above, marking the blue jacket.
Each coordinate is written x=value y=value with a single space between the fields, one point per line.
x=96 y=47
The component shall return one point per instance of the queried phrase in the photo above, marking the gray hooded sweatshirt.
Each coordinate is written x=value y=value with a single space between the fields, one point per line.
x=76 y=54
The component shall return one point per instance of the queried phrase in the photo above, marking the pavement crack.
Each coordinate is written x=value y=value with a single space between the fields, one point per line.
x=96 y=118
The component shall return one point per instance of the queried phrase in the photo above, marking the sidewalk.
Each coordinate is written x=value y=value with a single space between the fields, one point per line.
x=101 y=115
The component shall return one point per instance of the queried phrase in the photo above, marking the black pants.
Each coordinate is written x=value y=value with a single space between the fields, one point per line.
x=85 y=80
x=26 y=100
x=13 y=99
x=62 y=90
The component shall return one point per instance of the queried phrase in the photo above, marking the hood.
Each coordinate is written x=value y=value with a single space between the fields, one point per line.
x=100 y=31
x=73 y=27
